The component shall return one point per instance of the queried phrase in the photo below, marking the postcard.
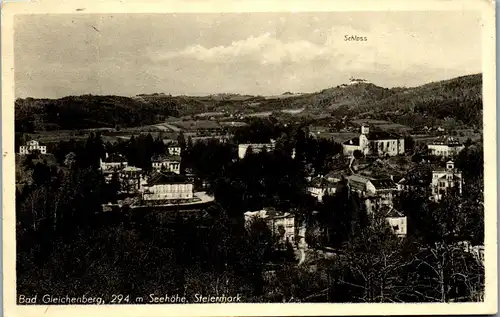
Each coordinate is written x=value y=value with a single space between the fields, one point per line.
x=245 y=158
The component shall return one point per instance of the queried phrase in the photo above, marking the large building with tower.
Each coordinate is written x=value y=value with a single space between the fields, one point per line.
x=380 y=143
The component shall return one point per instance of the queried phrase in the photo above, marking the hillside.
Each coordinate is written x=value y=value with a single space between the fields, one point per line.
x=456 y=102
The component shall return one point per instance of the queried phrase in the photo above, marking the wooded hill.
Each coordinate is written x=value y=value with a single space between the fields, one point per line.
x=456 y=102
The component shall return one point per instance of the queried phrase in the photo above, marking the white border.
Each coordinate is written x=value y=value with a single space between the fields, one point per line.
x=489 y=87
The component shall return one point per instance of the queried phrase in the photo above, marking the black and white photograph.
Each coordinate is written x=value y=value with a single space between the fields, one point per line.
x=267 y=157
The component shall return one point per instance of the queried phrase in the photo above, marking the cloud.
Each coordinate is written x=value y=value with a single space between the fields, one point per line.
x=382 y=49
x=264 y=49
x=252 y=53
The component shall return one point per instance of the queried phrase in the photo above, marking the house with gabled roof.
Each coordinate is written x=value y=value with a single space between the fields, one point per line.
x=397 y=220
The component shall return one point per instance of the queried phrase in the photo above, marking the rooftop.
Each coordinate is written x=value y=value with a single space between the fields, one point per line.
x=389 y=211
x=353 y=141
x=161 y=178
x=132 y=169
x=383 y=183
x=321 y=182
x=165 y=158
x=455 y=177
x=382 y=135
x=115 y=158
x=358 y=182
x=268 y=213
x=446 y=140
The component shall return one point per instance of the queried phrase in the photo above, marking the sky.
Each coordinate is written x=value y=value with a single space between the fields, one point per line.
x=246 y=53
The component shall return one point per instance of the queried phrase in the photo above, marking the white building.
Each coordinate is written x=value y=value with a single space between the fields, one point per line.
x=113 y=162
x=446 y=180
x=374 y=192
x=167 y=187
x=354 y=81
x=321 y=186
x=174 y=150
x=446 y=147
x=255 y=148
x=31 y=147
x=397 y=221
x=281 y=224
x=162 y=163
x=379 y=143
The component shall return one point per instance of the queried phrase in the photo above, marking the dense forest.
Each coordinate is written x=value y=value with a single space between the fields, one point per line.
x=456 y=102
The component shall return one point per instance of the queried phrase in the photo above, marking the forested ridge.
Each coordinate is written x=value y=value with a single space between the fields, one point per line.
x=456 y=101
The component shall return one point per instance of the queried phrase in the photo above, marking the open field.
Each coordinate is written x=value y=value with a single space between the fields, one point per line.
x=382 y=124
x=427 y=139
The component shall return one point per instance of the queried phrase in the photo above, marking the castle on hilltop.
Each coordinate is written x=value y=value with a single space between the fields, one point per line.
x=354 y=81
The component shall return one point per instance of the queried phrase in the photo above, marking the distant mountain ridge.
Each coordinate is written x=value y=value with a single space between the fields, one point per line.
x=455 y=101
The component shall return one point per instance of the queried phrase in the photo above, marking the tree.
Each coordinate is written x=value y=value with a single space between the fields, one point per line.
x=181 y=139
x=357 y=154
x=454 y=274
x=70 y=160
x=409 y=144
x=373 y=264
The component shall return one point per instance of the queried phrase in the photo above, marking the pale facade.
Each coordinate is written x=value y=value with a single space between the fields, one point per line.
x=398 y=224
x=374 y=193
x=376 y=143
x=113 y=162
x=166 y=165
x=448 y=148
x=174 y=150
x=320 y=187
x=32 y=146
x=167 y=187
x=445 y=180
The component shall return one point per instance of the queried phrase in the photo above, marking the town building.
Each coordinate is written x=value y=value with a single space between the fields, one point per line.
x=243 y=149
x=32 y=146
x=445 y=147
x=380 y=143
x=166 y=164
x=397 y=221
x=113 y=162
x=167 y=187
x=281 y=224
x=355 y=81
x=446 y=180
x=374 y=192
x=132 y=179
x=174 y=150
x=321 y=186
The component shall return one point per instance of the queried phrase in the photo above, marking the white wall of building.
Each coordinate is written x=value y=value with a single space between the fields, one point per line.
x=168 y=191
x=171 y=166
x=32 y=146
